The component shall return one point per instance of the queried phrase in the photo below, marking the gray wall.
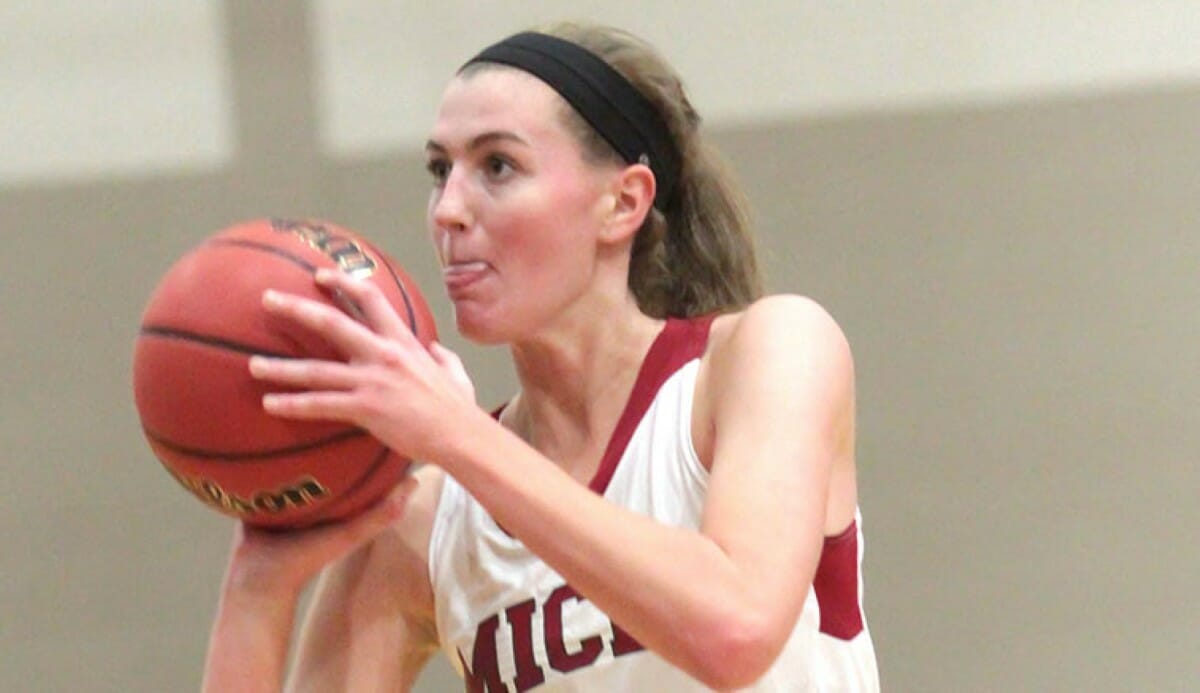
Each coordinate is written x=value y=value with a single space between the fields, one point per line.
x=1017 y=279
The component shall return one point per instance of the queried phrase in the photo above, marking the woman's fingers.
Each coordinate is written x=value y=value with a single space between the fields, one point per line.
x=453 y=366
x=387 y=370
x=349 y=336
x=358 y=529
x=312 y=406
x=310 y=374
x=367 y=298
x=294 y=556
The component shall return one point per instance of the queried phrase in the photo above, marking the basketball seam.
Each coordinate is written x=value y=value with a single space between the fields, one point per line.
x=207 y=340
x=202 y=454
x=408 y=307
x=380 y=458
x=376 y=463
x=266 y=248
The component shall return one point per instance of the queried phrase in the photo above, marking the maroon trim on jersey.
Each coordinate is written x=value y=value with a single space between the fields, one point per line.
x=836 y=585
x=680 y=341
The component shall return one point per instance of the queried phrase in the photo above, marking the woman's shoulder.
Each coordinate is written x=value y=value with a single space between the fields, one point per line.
x=782 y=345
x=777 y=326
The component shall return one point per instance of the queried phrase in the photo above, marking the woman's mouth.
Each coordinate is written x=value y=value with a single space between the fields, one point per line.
x=458 y=276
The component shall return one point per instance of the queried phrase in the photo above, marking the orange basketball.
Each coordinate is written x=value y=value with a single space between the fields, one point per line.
x=200 y=409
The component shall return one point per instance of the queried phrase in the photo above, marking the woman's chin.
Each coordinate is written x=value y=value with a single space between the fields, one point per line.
x=475 y=328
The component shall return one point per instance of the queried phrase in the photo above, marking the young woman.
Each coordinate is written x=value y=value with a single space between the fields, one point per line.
x=668 y=502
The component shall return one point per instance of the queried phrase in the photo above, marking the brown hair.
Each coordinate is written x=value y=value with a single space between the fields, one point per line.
x=698 y=257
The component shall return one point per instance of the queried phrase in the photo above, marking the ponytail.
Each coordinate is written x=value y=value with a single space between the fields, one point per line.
x=695 y=255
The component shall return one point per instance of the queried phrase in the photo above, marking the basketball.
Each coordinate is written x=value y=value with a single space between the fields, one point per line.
x=201 y=411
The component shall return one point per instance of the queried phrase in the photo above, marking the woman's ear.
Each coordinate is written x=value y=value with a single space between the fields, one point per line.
x=632 y=197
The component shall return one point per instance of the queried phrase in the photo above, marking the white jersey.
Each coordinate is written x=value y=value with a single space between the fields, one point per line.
x=508 y=622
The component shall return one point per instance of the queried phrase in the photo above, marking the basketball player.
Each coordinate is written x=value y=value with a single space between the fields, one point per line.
x=668 y=503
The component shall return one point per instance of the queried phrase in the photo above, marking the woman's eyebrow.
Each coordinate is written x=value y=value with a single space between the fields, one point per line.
x=480 y=140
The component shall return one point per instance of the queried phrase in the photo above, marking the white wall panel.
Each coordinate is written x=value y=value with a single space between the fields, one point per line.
x=381 y=65
x=120 y=87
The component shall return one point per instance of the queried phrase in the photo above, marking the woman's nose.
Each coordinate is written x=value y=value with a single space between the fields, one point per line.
x=450 y=210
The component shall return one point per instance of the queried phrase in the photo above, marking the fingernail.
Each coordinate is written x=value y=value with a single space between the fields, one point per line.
x=271 y=297
x=256 y=364
x=323 y=274
x=270 y=401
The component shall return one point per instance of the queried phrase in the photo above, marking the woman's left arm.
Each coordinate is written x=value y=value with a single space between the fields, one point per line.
x=718 y=603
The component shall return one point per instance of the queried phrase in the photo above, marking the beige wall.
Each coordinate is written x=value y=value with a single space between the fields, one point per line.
x=1017 y=277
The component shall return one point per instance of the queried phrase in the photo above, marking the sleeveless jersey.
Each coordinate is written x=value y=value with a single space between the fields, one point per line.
x=508 y=622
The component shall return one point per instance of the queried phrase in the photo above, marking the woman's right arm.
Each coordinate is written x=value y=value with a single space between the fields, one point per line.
x=371 y=624
x=266 y=575
x=248 y=645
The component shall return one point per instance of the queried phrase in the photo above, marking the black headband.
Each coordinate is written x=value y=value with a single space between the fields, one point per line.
x=601 y=95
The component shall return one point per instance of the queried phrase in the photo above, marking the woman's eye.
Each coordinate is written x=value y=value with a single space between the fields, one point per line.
x=497 y=166
x=439 y=169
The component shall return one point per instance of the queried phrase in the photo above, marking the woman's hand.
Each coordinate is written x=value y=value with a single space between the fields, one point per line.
x=278 y=564
x=267 y=573
x=407 y=396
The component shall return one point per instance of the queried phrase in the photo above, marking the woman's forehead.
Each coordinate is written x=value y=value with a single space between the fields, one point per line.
x=495 y=97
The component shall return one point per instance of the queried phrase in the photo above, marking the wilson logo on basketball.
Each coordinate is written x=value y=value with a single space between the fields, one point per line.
x=301 y=493
x=350 y=258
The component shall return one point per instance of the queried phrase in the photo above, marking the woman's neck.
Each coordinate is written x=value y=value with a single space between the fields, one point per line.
x=575 y=380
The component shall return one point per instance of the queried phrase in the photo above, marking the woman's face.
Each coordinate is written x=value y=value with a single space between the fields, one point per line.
x=515 y=209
